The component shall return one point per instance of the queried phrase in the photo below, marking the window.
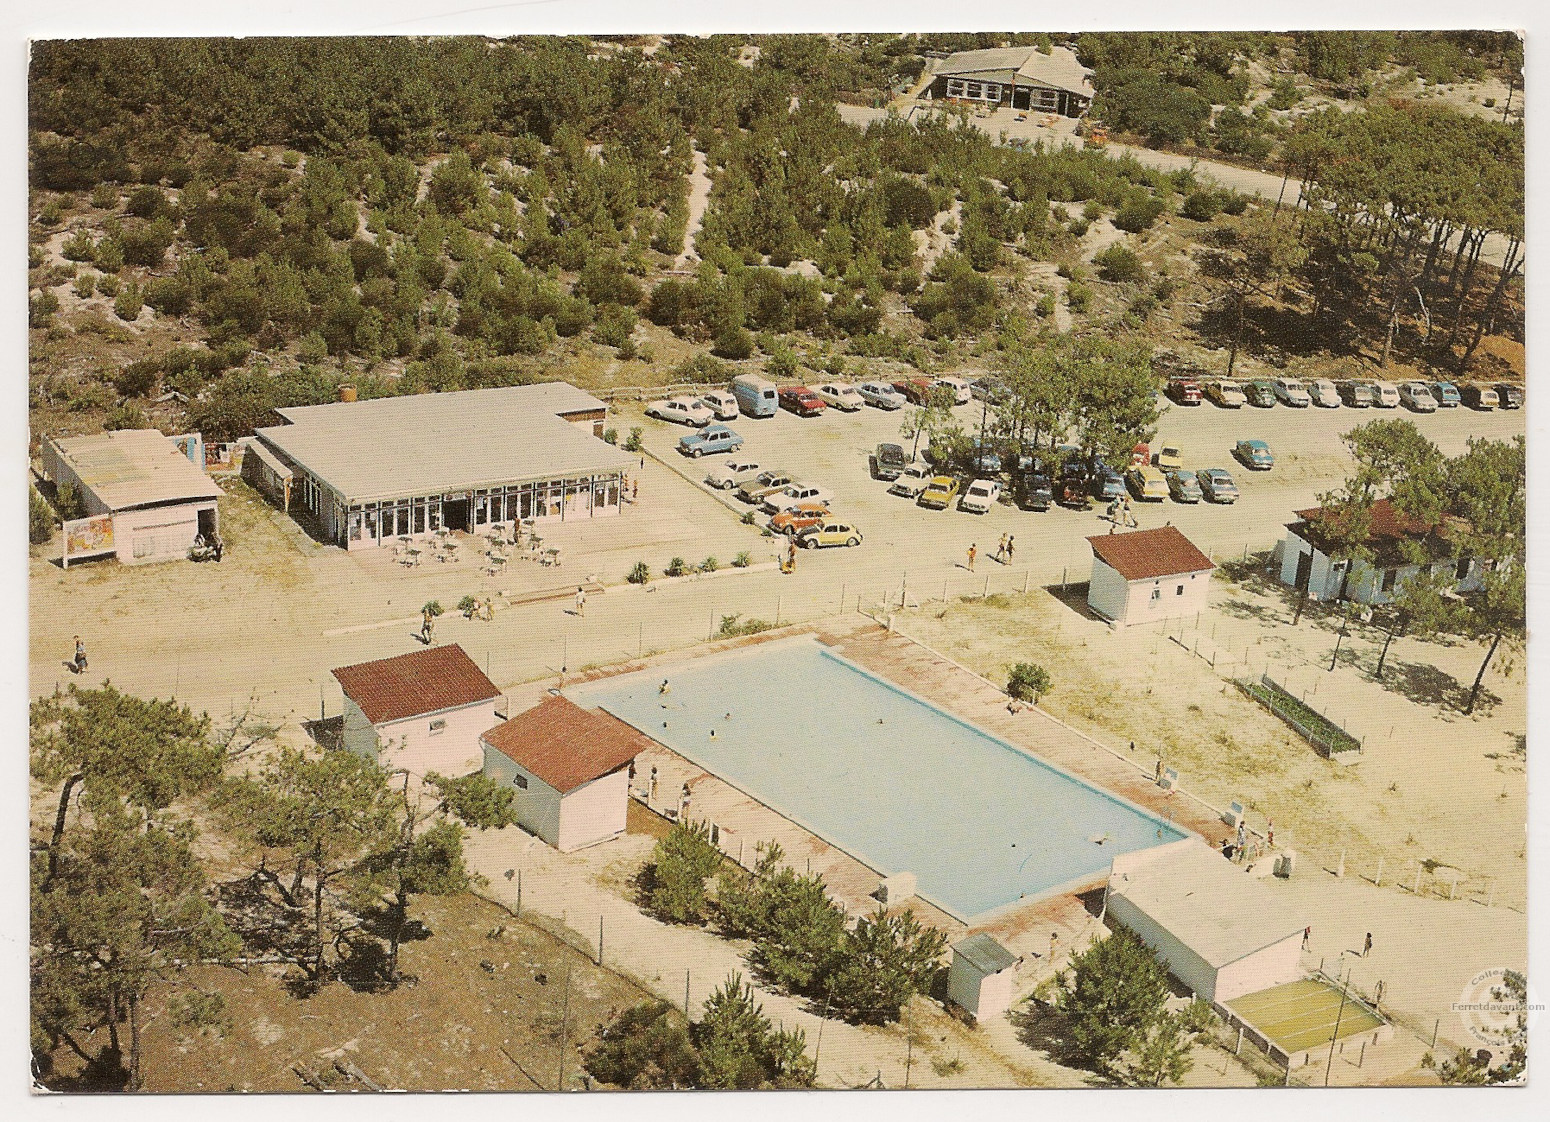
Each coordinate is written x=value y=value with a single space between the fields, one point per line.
x=1179 y=591
x=438 y=726
x=1156 y=593
x=1389 y=576
x=520 y=782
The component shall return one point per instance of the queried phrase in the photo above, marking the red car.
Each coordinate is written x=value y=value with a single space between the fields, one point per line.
x=1185 y=391
x=916 y=391
x=799 y=518
x=801 y=401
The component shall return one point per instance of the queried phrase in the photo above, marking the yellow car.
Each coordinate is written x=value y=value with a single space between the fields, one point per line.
x=829 y=533
x=1170 y=458
x=941 y=491
x=1147 y=483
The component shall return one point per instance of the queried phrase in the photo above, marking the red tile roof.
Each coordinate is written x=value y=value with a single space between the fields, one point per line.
x=1388 y=521
x=1389 y=527
x=565 y=745
x=1149 y=554
x=392 y=689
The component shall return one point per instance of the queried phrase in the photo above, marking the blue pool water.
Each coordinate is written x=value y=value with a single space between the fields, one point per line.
x=882 y=774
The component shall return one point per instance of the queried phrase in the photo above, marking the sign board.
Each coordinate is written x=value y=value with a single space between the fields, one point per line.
x=88 y=537
x=192 y=445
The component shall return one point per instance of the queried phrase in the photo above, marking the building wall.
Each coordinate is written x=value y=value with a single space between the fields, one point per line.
x=981 y=995
x=594 y=812
x=163 y=533
x=537 y=805
x=454 y=750
x=1170 y=602
x=1365 y=585
x=359 y=736
x=1274 y=966
x=1184 y=964
x=1107 y=592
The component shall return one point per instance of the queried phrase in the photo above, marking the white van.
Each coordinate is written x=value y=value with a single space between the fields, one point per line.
x=962 y=394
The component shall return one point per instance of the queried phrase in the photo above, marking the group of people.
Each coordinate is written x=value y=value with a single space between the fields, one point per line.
x=684 y=796
x=1120 y=514
x=1005 y=549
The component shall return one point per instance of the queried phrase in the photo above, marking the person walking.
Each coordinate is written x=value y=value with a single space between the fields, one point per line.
x=1307 y=935
x=581 y=601
x=635 y=490
x=1130 y=517
x=1001 y=550
x=78 y=664
x=1270 y=833
x=427 y=626
x=973 y=553
x=1367 y=945
x=683 y=803
x=791 y=555
x=651 y=786
x=1011 y=546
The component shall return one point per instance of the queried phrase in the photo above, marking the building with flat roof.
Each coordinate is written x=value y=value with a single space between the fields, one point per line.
x=1147 y=575
x=372 y=471
x=981 y=976
x=418 y=712
x=146 y=495
x=1019 y=77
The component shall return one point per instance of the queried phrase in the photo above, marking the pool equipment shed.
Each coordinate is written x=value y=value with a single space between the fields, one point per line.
x=981 y=976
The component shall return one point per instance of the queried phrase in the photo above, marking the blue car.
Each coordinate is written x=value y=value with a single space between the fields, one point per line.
x=1446 y=393
x=709 y=440
x=1254 y=455
x=1105 y=481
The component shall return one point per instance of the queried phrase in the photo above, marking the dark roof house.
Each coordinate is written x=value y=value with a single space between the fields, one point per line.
x=414 y=684
x=565 y=745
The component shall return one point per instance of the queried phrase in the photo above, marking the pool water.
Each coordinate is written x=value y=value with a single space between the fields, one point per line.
x=882 y=774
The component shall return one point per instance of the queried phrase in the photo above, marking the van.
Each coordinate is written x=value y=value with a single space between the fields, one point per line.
x=755 y=396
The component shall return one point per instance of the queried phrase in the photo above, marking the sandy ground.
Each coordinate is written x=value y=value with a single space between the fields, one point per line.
x=699 y=198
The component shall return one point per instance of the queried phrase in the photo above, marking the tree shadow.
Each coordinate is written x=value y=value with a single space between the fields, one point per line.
x=1044 y=1028
x=1426 y=685
x=1255 y=610
x=267 y=926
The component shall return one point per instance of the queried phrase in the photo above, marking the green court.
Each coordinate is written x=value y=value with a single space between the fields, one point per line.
x=1302 y=1015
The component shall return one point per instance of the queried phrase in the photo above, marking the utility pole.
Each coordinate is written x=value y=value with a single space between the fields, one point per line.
x=1335 y=1035
x=564 y=1016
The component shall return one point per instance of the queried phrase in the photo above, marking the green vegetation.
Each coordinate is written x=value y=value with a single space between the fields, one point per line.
x=640 y=573
x=1114 y=994
x=675 y=878
x=1319 y=730
x=40 y=518
x=1027 y=682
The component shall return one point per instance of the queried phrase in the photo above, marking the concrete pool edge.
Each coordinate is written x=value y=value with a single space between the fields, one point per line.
x=809 y=640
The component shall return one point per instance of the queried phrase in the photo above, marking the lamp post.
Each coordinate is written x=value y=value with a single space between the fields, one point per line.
x=1339 y=635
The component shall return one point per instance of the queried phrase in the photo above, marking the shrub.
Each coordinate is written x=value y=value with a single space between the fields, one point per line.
x=147 y=202
x=1046 y=305
x=1235 y=203
x=128 y=303
x=610 y=436
x=40 y=519
x=41 y=309
x=1078 y=297
x=1201 y=206
x=69 y=503
x=709 y=565
x=109 y=255
x=742 y=560
x=1114 y=993
x=1028 y=682
x=613 y=325
x=640 y=573
x=34 y=256
x=432 y=606
x=85 y=284
x=468 y=605
x=138 y=378
x=702 y=369
x=782 y=364
x=749 y=516
x=125 y=415
x=735 y=625
x=633 y=444
x=1137 y=213
x=1120 y=264
x=81 y=247
x=677 y=567
x=107 y=284
x=733 y=343
x=104 y=196
x=680 y=865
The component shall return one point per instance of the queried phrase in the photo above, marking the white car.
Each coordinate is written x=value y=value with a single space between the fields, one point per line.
x=731 y=473
x=1385 y=395
x=1226 y=393
x=912 y=481
x=980 y=497
x=881 y=394
x=1291 y=391
x=1417 y=397
x=1324 y=393
x=792 y=494
x=962 y=394
x=721 y=404
x=681 y=410
x=840 y=396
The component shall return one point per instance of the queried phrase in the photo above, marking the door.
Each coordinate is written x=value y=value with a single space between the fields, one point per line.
x=1304 y=571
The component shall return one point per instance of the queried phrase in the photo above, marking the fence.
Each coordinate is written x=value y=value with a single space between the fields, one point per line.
x=1313 y=726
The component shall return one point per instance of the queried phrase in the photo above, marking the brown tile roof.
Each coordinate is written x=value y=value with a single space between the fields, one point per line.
x=565 y=745
x=1389 y=527
x=1149 y=554
x=391 y=689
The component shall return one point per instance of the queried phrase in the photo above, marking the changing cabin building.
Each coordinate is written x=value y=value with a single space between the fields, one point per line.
x=570 y=769
x=981 y=978
x=146 y=495
x=419 y=712
x=369 y=472
x=1147 y=575
x=1018 y=77
x=1307 y=564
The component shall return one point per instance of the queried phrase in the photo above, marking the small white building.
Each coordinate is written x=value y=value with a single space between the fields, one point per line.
x=146 y=495
x=1147 y=575
x=981 y=977
x=1018 y=77
x=419 y=712
x=1306 y=562
x=570 y=769
x=1221 y=930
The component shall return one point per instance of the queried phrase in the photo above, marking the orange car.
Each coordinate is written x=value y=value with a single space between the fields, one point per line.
x=799 y=518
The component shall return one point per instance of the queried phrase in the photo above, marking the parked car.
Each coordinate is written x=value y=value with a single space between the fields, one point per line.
x=1147 y=483
x=1358 y=395
x=1141 y=454
x=1104 y=481
x=1183 y=486
x=962 y=395
x=829 y=533
x=801 y=401
x=797 y=518
x=841 y=396
x=1324 y=393
x=1072 y=489
x=888 y=461
x=765 y=483
x=755 y=397
x=1508 y=396
x=1185 y=391
x=984 y=457
x=987 y=390
x=792 y=494
x=1477 y=396
x=1417 y=397
x=1216 y=485
x=709 y=440
x=1260 y=394
x=732 y=473
x=912 y=481
x=1291 y=392
x=1385 y=395
x=1031 y=488
x=1226 y=393
x=1170 y=457
x=982 y=495
x=881 y=394
x=1254 y=455
x=939 y=493
x=1446 y=393
x=681 y=411
x=722 y=405
x=916 y=391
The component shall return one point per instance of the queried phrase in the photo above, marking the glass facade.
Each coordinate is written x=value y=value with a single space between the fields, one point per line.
x=588 y=496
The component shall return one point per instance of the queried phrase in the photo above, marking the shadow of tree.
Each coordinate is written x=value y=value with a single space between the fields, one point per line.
x=1251 y=609
x=1044 y=1028
x=1427 y=685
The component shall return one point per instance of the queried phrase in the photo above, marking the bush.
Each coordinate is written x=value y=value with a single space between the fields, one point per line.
x=68 y=501
x=109 y=255
x=1028 y=682
x=1138 y=212
x=1046 y=305
x=1120 y=264
x=125 y=415
x=613 y=325
x=677 y=567
x=633 y=444
x=147 y=202
x=432 y=606
x=104 y=196
x=1078 y=297
x=1235 y=203
x=1201 y=206
x=709 y=565
x=742 y=560
x=107 y=284
x=749 y=516
x=468 y=605
x=40 y=519
x=733 y=343
x=128 y=303
x=640 y=573
x=41 y=309
x=702 y=369
x=138 y=378
x=680 y=866
x=1114 y=992
x=85 y=284
x=735 y=625
x=782 y=364
x=610 y=436
x=80 y=247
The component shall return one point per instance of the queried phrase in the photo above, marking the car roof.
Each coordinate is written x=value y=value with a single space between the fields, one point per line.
x=1254 y=443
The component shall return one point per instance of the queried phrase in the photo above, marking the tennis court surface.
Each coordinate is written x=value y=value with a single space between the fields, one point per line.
x=1302 y=1015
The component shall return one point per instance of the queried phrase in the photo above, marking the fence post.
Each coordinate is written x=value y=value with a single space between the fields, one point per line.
x=1435 y=1025
x=944 y=590
x=1340 y=869
x=519 y=893
x=600 y=940
x=1415 y=889
x=777 y=611
x=1377 y=881
x=1025 y=582
x=985 y=592
x=843 y=587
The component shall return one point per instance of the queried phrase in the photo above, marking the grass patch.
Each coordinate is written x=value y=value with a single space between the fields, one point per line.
x=1312 y=725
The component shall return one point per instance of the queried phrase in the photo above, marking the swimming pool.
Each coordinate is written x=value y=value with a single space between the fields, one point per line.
x=882 y=774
